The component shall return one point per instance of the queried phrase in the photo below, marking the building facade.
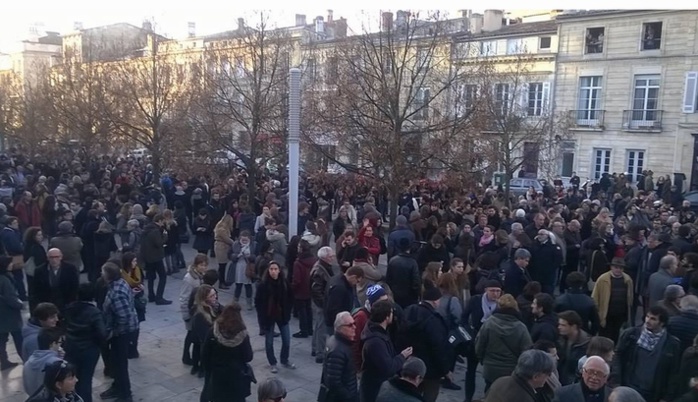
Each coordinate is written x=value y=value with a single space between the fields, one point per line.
x=627 y=81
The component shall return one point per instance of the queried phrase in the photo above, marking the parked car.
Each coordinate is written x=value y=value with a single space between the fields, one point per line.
x=519 y=186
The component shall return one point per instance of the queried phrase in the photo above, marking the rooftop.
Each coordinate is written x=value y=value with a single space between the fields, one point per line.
x=513 y=30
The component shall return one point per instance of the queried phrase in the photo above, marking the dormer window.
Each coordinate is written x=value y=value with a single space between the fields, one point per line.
x=594 y=40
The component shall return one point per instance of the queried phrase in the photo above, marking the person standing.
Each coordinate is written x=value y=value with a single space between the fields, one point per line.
x=242 y=254
x=56 y=282
x=204 y=311
x=664 y=277
x=545 y=324
x=273 y=301
x=320 y=276
x=11 y=239
x=572 y=343
x=301 y=288
x=153 y=253
x=403 y=276
x=222 y=245
x=593 y=386
x=532 y=371
x=341 y=294
x=191 y=281
x=613 y=294
x=338 y=380
x=576 y=299
x=405 y=387
x=121 y=322
x=85 y=333
x=10 y=314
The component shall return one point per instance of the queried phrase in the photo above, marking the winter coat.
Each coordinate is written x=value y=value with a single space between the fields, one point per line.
x=545 y=260
x=404 y=280
x=371 y=276
x=544 y=328
x=301 y=277
x=152 y=244
x=12 y=241
x=320 y=276
x=278 y=245
x=10 y=306
x=222 y=244
x=338 y=373
x=70 y=245
x=685 y=327
x=84 y=327
x=602 y=295
x=577 y=300
x=30 y=343
x=515 y=279
x=657 y=284
x=340 y=296
x=511 y=388
x=399 y=233
x=273 y=301
x=65 y=292
x=573 y=393
x=499 y=343
x=427 y=333
x=570 y=352
x=190 y=282
x=380 y=361
x=397 y=390
x=33 y=370
x=225 y=362
x=203 y=239
x=429 y=253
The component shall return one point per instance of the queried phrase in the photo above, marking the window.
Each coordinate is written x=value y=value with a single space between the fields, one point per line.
x=589 y=100
x=515 y=46
x=544 y=43
x=501 y=97
x=594 y=40
x=310 y=69
x=535 y=99
x=645 y=98
x=421 y=103
x=601 y=162
x=651 y=36
x=635 y=164
x=467 y=95
x=531 y=155
x=567 y=165
x=690 y=94
x=488 y=48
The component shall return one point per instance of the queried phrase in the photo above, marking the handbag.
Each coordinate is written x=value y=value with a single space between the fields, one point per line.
x=458 y=336
x=250 y=271
x=30 y=267
x=248 y=373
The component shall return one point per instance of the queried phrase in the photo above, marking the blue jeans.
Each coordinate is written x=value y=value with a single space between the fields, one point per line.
x=285 y=343
x=85 y=362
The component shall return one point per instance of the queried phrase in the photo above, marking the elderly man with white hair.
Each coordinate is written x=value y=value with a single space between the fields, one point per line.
x=664 y=277
x=339 y=373
x=625 y=394
x=685 y=325
x=320 y=276
x=593 y=386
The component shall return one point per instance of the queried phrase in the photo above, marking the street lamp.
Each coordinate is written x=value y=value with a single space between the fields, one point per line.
x=294 y=115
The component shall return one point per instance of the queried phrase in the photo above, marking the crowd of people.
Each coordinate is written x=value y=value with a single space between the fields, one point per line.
x=542 y=291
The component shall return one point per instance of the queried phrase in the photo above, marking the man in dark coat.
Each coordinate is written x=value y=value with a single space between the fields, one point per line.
x=428 y=335
x=532 y=370
x=685 y=325
x=338 y=378
x=341 y=294
x=516 y=275
x=593 y=385
x=401 y=231
x=576 y=299
x=546 y=260
x=545 y=324
x=153 y=254
x=403 y=276
x=56 y=282
x=405 y=387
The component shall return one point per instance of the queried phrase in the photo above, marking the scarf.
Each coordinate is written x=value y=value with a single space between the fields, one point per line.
x=648 y=340
x=488 y=308
x=485 y=240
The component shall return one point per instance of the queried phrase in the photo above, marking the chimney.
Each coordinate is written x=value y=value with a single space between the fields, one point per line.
x=330 y=16
x=387 y=22
x=492 y=20
x=319 y=24
x=340 y=28
x=191 y=29
x=241 y=24
x=401 y=18
x=465 y=13
x=300 y=20
x=147 y=26
x=77 y=25
x=476 y=21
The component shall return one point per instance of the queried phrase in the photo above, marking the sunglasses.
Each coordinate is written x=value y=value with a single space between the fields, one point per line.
x=279 y=398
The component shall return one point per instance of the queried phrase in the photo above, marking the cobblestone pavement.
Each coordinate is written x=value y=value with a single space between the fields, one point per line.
x=159 y=375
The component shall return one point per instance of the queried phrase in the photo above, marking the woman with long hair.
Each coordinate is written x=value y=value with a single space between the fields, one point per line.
x=171 y=242
x=34 y=251
x=241 y=255
x=191 y=281
x=104 y=243
x=273 y=302
x=225 y=355
x=223 y=242
x=133 y=275
x=451 y=309
x=204 y=312
x=431 y=274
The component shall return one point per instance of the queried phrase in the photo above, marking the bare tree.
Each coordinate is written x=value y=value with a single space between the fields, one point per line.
x=242 y=108
x=10 y=105
x=386 y=102
x=35 y=131
x=152 y=94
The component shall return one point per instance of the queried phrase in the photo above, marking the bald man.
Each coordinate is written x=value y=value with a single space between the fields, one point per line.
x=593 y=386
x=55 y=282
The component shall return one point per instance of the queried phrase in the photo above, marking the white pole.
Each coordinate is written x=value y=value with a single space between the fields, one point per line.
x=294 y=115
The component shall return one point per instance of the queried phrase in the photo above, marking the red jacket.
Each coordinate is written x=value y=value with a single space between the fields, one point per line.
x=360 y=320
x=372 y=244
x=301 y=277
x=28 y=214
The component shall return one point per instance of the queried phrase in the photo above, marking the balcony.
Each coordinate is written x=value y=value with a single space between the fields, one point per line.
x=587 y=119
x=642 y=120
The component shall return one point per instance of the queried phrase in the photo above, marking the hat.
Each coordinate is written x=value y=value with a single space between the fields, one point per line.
x=492 y=283
x=618 y=262
x=65 y=227
x=468 y=222
x=374 y=293
x=401 y=220
x=431 y=293
x=414 y=367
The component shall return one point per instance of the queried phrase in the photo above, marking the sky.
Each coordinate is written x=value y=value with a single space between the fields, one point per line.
x=171 y=17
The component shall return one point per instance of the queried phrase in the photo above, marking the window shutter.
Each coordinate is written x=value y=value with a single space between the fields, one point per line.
x=524 y=98
x=689 y=97
x=546 y=97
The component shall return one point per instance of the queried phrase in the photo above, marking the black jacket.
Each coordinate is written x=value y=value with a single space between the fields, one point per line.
x=473 y=313
x=64 y=293
x=338 y=372
x=403 y=279
x=685 y=327
x=669 y=362
x=273 y=302
x=429 y=254
x=152 y=244
x=84 y=327
x=428 y=336
x=515 y=279
x=545 y=328
x=577 y=300
x=380 y=361
x=339 y=296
